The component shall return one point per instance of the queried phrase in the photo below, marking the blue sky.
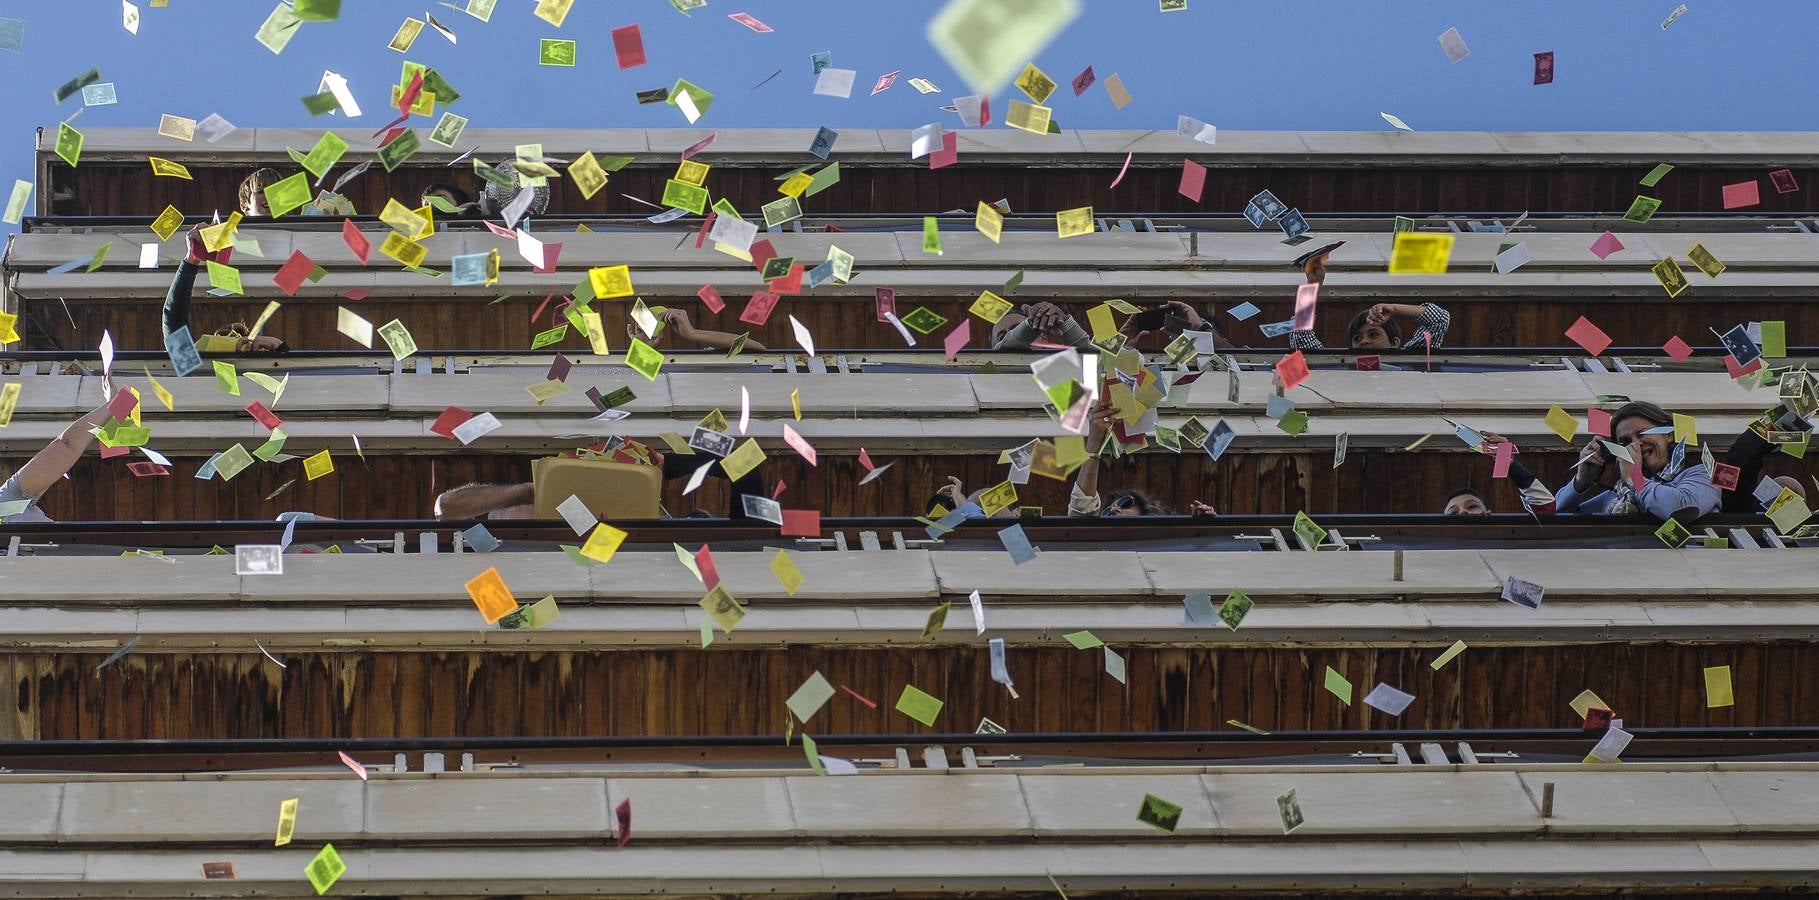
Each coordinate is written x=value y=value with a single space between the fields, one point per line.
x=1239 y=64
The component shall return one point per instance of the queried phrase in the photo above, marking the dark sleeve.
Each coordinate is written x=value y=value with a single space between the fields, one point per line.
x=176 y=302
x=1746 y=453
x=1536 y=498
x=676 y=465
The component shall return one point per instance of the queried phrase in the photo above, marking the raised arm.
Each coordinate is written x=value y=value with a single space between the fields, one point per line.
x=718 y=340
x=183 y=284
x=42 y=470
x=1084 y=500
x=472 y=501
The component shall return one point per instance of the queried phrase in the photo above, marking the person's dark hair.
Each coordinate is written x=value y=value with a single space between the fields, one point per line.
x=1145 y=504
x=1007 y=324
x=1390 y=328
x=1464 y=492
x=461 y=197
x=1640 y=409
x=253 y=186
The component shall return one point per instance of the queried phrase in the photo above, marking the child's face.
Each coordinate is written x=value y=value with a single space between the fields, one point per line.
x=1371 y=337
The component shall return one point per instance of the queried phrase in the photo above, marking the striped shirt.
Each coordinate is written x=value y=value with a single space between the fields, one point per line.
x=1430 y=329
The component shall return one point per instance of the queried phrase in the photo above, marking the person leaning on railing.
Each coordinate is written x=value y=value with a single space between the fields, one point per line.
x=1038 y=322
x=1672 y=485
x=1380 y=328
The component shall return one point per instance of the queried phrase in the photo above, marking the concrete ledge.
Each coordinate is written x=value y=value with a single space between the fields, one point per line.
x=1432 y=828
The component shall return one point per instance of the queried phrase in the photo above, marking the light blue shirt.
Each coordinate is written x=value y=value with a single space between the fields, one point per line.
x=12 y=491
x=1691 y=488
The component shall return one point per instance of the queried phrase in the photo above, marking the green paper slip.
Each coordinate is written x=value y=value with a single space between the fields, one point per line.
x=1339 y=686
x=919 y=705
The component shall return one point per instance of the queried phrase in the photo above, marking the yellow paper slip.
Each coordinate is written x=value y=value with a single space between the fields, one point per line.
x=1028 y=117
x=1586 y=701
x=287 y=822
x=723 y=608
x=1562 y=423
x=318 y=465
x=742 y=460
x=1074 y=222
x=1718 y=687
x=990 y=307
x=1416 y=253
x=989 y=221
x=602 y=543
x=788 y=574
x=609 y=282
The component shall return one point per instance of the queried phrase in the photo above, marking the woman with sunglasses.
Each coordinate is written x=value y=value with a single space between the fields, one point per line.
x=1656 y=478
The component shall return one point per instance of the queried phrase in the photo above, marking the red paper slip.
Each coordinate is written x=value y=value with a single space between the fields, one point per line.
x=1589 y=336
x=628 y=45
x=1193 y=180
x=758 y=310
x=289 y=276
x=1292 y=369
x=357 y=242
x=801 y=523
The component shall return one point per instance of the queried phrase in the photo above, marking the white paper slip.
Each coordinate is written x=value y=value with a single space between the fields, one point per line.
x=1388 y=700
x=574 y=511
x=835 y=83
x=1512 y=259
x=477 y=427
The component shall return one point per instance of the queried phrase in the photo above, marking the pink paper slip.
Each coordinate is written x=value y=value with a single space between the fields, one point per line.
x=1589 y=336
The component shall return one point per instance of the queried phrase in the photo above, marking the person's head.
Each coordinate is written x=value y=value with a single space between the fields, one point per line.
x=252 y=191
x=1792 y=484
x=451 y=196
x=1003 y=327
x=1630 y=425
x=1132 y=503
x=1366 y=335
x=1466 y=502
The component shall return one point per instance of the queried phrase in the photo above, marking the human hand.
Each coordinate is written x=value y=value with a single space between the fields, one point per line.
x=1491 y=440
x=1198 y=508
x=198 y=251
x=1183 y=310
x=1593 y=460
x=1047 y=318
x=1379 y=314
x=954 y=491
x=678 y=322
x=1102 y=417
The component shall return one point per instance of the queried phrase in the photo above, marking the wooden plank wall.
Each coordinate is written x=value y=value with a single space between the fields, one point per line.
x=474 y=322
x=721 y=691
x=127 y=189
x=391 y=486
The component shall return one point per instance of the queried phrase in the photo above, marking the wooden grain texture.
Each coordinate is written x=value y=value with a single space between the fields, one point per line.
x=473 y=322
x=391 y=486
x=722 y=691
x=125 y=189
